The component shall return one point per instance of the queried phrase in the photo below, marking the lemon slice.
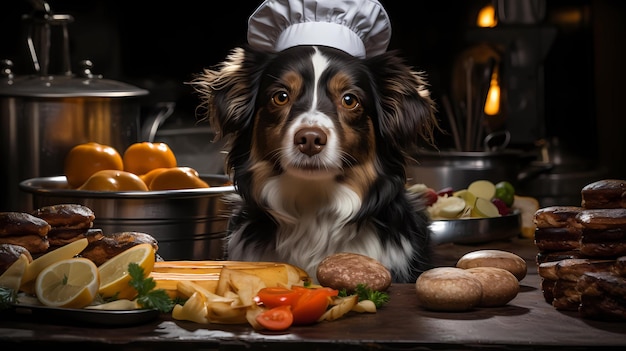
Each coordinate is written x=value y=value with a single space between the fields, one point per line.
x=114 y=277
x=12 y=277
x=69 y=283
x=39 y=264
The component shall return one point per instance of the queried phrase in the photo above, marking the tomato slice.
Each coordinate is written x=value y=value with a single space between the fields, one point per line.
x=312 y=304
x=276 y=296
x=277 y=318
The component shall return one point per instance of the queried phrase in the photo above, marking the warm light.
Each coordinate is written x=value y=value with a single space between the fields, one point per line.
x=492 y=104
x=487 y=17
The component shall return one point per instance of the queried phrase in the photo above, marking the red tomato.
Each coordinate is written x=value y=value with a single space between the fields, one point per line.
x=276 y=296
x=277 y=318
x=311 y=304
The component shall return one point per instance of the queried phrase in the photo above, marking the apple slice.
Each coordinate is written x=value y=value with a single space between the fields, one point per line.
x=482 y=188
x=467 y=196
x=484 y=209
x=452 y=207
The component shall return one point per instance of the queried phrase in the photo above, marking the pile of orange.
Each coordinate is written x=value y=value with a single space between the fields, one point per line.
x=143 y=166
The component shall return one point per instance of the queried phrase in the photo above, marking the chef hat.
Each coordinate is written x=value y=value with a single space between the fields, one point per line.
x=359 y=27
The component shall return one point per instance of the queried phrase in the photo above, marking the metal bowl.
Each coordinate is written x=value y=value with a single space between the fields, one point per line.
x=476 y=230
x=188 y=224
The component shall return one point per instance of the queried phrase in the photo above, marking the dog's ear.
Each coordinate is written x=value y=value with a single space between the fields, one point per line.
x=406 y=112
x=228 y=91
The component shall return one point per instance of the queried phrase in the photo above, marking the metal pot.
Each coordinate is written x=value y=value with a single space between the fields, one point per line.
x=189 y=224
x=43 y=117
x=45 y=114
x=457 y=169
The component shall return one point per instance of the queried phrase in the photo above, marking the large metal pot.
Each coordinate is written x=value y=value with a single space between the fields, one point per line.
x=43 y=117
x=456 y=169
x=189 y=224
x=45 y=114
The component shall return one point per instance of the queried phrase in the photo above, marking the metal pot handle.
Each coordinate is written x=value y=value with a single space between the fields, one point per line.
x=150 y=127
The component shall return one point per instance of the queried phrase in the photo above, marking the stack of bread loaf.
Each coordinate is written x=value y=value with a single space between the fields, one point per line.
x=582 y=252
x=50 y=227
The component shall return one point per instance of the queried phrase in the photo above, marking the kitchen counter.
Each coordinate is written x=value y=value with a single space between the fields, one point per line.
x=526 y=323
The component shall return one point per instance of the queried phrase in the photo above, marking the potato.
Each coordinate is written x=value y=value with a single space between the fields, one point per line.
x=499 y=286
x=448 y=289
x=346 y=270
x=494 y=258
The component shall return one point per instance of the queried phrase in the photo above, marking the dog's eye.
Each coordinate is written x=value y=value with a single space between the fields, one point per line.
x=280 y=99
x=349 y=101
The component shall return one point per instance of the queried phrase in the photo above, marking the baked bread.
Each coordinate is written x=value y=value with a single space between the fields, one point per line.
x=557 y=217
x=572 y=269
x=69 y=222
x=66 y=216
x=448 y=289
x=547 y=289
x=606 y=193
x=558 y=239
x=603 y=233
x=494 y=258
x=565 y=296
x=499 y=286
x=9 y=253
x=20 y=223
x=602 y=296
x=34 y=243
x=346 y=270
x=109 y=245
x=550 y=256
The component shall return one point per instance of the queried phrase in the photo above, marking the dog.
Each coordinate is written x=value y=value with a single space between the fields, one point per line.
x=318 y=141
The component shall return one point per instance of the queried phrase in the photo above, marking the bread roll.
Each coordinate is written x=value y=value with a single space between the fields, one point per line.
x=494 y=258
x=499 y=286
x=606 y=193
x=347 y=270
x=66 y=216
x=110 y=245
x=448 y=289
x=9 y=253
x=19 y=223
x=557 y=217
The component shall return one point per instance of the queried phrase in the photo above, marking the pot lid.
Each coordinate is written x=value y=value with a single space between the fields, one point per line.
x=85 y=84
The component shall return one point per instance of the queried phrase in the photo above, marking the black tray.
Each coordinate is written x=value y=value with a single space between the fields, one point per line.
x=74 y=316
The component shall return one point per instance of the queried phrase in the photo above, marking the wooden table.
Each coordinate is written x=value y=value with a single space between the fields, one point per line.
x=526 y=323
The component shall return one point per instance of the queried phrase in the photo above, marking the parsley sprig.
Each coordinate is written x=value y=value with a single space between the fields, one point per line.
x=379 y=298
x=147 y=295
x=8 y=297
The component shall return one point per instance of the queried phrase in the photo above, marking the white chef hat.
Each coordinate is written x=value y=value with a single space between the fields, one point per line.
x=359 y=27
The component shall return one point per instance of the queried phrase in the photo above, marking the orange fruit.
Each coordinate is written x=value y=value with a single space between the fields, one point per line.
x=83 y=160
x=177 y=178
x=114 y=276
x=148 y=177
x=114 y=180
x=70 y=283
x=140 y=158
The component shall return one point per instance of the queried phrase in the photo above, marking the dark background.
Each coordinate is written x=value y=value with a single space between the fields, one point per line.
x=160 y=45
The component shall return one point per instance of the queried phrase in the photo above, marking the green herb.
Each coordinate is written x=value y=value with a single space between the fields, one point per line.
x=147 y=296
x=8 y=297
x=379 y=298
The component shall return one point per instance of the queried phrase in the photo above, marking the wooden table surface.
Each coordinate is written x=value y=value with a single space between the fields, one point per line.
x=526 y=323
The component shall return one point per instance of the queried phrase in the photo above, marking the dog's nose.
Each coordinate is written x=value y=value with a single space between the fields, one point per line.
x=310 y=141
